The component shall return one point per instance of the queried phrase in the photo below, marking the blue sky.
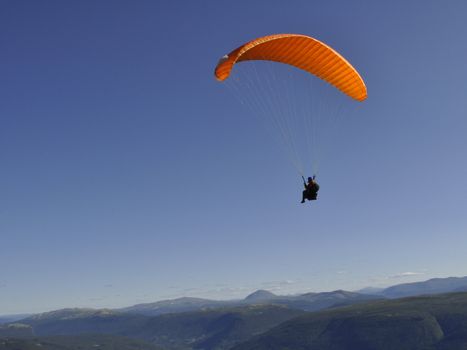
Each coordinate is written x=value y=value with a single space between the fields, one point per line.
x=128 y=174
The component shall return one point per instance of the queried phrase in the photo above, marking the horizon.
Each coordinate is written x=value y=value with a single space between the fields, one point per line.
x=296 y=293
x=130 y=173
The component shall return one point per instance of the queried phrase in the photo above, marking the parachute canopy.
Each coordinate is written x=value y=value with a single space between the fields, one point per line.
x=303 y=52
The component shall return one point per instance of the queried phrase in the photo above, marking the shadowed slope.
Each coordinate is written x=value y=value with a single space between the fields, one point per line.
x=423 y=323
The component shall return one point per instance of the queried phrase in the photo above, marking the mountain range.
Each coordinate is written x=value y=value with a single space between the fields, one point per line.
x=262 y=320
x=209 y=329
x=305 y=302
x=213 y=326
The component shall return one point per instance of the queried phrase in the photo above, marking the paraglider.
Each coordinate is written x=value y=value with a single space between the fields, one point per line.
x=288 y=110
x=303 y=52
x=311 y=189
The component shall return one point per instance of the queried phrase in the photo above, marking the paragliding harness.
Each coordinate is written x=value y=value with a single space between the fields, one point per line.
x=311 y=190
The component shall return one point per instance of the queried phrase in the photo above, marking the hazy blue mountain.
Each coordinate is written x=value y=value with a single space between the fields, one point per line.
x=260 y=295
x=12 y=318
x=79 y=321
x=417 y=323
x=306 y=302
x=432 y=286
x=177 y=305
x=319 y=301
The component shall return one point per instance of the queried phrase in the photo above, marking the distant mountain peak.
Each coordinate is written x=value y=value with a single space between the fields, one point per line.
x=431 y=286
x=343 y=293
x=260 y=295
x=73 y=313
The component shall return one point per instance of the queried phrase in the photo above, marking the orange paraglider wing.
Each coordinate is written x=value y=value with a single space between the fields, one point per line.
x=303 y=52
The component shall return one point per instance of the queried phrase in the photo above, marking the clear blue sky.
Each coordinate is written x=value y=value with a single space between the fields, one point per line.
x=128 y=174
